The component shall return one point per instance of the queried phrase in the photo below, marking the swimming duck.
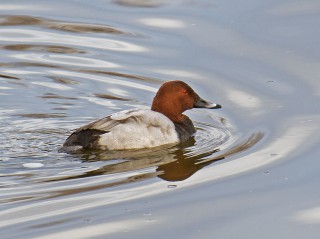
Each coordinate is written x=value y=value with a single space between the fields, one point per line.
x=163 y=124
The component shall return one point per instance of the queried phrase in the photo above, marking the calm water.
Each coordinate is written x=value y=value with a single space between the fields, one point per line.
x=252 y=169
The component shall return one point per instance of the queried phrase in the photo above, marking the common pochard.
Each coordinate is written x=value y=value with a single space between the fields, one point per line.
x=163 y=124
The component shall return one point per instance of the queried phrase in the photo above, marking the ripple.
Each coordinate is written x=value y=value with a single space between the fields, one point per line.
x=63 y=80
x=52 y=85
x=41 y=116
x=65 y=60
x=124 y=75
x=33 y=165
x=163 y=22
x=75 y=27
x=37 y=36
x=42 y=48
x=209 y=137
x=9 y=77
x=108 y=80
x=55 y=96
x=111 y=97
x=135 y=3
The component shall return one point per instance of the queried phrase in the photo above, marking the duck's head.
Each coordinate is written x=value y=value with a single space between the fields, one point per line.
x=175 y=97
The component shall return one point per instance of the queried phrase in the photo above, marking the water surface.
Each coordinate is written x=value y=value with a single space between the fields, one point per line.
x=251 y=169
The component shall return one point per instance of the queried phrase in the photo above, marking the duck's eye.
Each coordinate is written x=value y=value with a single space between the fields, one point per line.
x=185 y=92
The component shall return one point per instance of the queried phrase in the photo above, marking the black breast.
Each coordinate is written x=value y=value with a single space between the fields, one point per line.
x=185 y=129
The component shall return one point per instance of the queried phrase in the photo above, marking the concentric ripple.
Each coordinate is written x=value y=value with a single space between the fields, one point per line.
x=169 y=162
x=209 y=137
x=70 y=75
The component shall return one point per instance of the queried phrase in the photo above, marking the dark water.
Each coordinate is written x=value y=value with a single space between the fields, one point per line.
x=252 y=169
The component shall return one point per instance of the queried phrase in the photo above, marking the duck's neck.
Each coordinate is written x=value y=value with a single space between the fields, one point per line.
x=173 y=113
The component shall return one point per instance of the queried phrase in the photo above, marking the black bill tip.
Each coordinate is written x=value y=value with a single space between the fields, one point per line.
x=201 y=103
x=217 y=106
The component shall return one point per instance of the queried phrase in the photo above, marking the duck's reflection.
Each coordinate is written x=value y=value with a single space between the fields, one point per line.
x=170 y=163
x=182 y=168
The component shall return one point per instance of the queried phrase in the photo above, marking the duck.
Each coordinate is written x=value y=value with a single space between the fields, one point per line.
x=164 y=123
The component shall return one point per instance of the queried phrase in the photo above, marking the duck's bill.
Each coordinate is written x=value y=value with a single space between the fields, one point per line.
x=201 y=103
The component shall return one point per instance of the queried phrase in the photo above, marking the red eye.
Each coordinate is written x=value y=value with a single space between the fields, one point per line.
x=185 y=92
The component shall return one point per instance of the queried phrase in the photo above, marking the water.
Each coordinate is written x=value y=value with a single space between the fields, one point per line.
x=251 y=170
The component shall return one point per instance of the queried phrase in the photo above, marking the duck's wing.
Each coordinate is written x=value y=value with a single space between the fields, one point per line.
x=107 y=123
x=104 y=124
x=87 y=135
